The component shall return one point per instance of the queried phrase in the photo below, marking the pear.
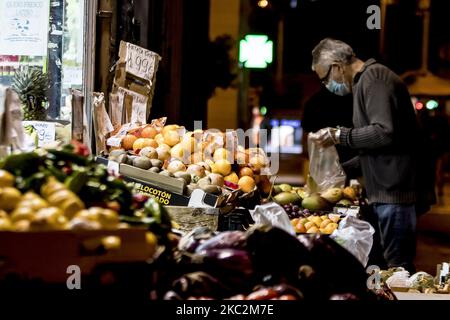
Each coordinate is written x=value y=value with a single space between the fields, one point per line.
x=285 y=187
x=315 y=203
x=286 y=198
x=345 y=203
x=333 y=195
x=349 y=193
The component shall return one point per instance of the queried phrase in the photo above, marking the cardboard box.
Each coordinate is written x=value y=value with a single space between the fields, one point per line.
x=421 y=296
x=165 y=183
x=47 y=255
x=190 y=218
x=163 y=196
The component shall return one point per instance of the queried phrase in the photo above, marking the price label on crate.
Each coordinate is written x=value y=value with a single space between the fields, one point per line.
x=351 y=211
x=113 y=168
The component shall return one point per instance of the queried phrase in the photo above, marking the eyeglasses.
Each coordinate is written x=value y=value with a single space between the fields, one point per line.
x=324 y=80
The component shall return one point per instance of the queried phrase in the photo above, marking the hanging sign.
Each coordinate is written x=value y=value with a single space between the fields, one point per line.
x=141 y=62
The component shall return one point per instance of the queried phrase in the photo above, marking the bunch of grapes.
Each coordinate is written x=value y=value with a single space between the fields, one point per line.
x=293 y=211
x=296 y=212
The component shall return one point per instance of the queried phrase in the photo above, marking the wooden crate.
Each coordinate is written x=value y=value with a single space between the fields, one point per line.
x=47 y=255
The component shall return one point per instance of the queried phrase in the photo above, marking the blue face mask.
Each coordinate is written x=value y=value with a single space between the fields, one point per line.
x=340 y=89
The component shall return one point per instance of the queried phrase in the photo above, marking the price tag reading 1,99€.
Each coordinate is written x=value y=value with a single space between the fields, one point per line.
x=140 y=62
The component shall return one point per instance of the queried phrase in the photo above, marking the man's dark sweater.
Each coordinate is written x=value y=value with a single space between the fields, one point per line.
x=384 y=133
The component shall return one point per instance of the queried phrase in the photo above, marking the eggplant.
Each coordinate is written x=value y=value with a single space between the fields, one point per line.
x=276 y=253
x=225 y=260
x=225 y=240
x=263 y=294
x=198 y=284
x=336 y=267
x=344 y=297
x=285 y=289
x=172 y=296
x=233 y=267
x=193 y=239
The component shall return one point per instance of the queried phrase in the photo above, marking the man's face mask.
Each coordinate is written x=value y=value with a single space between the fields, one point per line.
x=338 y=88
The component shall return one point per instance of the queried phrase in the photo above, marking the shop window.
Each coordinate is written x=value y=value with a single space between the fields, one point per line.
x=46 y=35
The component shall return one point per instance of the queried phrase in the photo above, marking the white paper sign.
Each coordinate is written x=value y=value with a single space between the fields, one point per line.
x=138 y=108
x=72 y=76
x=140 y=62
x=24 y=27
x=113 y=168
x=46 y=131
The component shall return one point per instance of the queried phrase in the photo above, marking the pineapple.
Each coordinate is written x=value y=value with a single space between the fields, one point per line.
x=31 y=84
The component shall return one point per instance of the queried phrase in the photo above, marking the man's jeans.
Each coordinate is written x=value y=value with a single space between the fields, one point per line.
x=398 y=234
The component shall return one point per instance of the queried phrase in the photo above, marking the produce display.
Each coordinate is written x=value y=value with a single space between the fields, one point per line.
x=310 y=213
x=421 y=282
x=200 y=159
x=54 y=208
x=315 y=223
x=65 y=189
x=70 y=166
x=279 y=292
x=265 y=263
x=285 y=195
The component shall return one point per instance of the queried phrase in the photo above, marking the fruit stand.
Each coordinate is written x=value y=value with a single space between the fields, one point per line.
x=168 y=213
x=61 y=207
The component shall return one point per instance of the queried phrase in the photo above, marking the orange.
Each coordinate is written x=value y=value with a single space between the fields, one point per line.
x=247 y=184
x=149 y=133
x=128 y=141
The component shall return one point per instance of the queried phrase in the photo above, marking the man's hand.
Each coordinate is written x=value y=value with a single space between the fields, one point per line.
x=326 y=137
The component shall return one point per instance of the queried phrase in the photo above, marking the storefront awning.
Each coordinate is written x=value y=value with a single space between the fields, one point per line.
x=424 y=83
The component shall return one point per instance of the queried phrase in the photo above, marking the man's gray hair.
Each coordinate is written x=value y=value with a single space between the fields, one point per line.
x=330 y=51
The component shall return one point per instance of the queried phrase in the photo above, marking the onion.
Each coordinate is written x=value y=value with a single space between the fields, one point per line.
x=188 y=144
x=196 y=170
x=204 y=165
x=216 y=179
x=176 y=166
x=196 y=158
x=171 y=138
x=172 y=127
x=222 y=154
x=242 y=158
x=258 y=162
x=159 y=139
x=163 y=154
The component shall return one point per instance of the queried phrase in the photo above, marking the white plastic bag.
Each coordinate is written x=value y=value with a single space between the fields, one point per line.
x=400 y=279
x=324 y=168
x=273 y=215
x=356 y=236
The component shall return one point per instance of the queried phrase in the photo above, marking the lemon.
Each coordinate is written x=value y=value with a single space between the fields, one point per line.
x=109 y=219
x=5 y=224
x=3 y=215
x=23 y=213
x=222 y=167
x=6 y=179
x=9 y=198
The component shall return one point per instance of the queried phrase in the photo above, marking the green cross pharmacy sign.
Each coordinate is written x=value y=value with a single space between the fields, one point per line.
x=256 y=51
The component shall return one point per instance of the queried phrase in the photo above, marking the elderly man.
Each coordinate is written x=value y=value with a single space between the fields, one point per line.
x=385 y=132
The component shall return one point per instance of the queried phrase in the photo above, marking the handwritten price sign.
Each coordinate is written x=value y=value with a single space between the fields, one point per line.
x=140 y=62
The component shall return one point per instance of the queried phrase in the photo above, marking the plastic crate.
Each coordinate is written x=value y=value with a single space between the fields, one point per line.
x=237 y=220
